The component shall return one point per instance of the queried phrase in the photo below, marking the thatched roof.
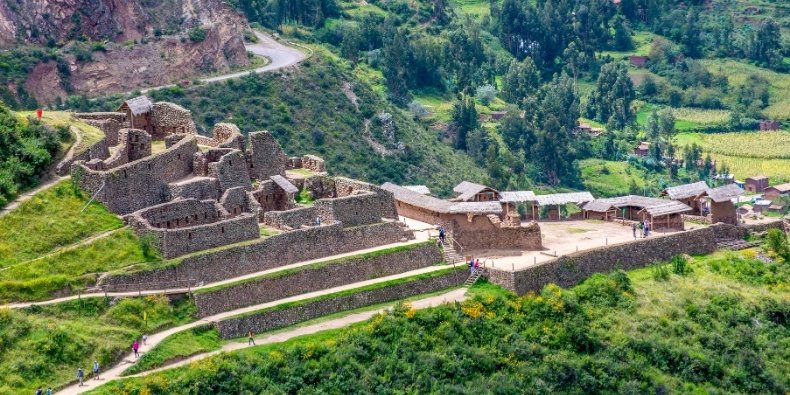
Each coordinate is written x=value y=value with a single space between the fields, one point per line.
x=564 y=198
x=440 y=206
x=724 y=193
x=138 y=105
x=516 y=196
x=685 y=191
x=782 y=188
x=283 y=183
x=475 y=208
x=668 y=208
x=467 y=190
x=599 y=206
x=419 y=189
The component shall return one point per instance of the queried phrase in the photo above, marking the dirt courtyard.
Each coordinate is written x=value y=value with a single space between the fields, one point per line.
x=559 y=238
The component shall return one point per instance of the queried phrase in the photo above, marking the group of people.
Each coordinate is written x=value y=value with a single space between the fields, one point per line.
x=644 y=228
x=81 y=376
x=474 y=265
x=41 y=391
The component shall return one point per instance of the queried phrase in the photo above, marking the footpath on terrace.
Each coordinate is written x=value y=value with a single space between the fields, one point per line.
x=114 y=373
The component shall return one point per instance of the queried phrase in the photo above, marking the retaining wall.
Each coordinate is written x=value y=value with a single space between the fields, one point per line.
x=316 y=277
x=264 y=254
x=273 y=319
x=294 y=218
x=571 y=269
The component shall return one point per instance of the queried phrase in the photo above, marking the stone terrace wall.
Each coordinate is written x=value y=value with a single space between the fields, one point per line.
x=492 y=236
x=96 y=153
x=778 y=224
x=292 y=219
x=343 y=271
x=264 y=321
x=269 y=253
x=110 y=127
x=364 y=208
x=138 y=184
x=200 y=188
x=571 y=269
x=133 y=144
x=170 y=118
x=224 y=135
x=265 y=157
x=231 y=171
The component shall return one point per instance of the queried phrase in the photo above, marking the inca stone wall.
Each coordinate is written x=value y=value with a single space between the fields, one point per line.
x=271 y=197
x=273 y=319
x=571 y=269
x=96 y=153
x=231 y=170
x=109 y=126
x=482 y=234
x=237 y=200
x=265 y=157
x=170 y=118
x=267 y=253
x=133 y=144
x=224 y=135
x=313 y=163
x=200 y=188
x=292 y=219
x=138 y=184
x=315 y=278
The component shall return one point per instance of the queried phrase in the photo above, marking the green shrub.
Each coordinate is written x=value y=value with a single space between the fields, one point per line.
x=197 y=34
x=660 y=272
x=680 y=265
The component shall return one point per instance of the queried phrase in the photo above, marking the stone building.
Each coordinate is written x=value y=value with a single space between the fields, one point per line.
x=470 y=192
x=474 y=225
x=642 y=149
x=139 y=111
x=776 y=191
x=722 y=209
x=265 y=158
x=756 y=184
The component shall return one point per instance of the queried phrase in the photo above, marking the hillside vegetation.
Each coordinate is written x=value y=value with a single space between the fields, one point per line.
x=715 y=324
x=44 y=345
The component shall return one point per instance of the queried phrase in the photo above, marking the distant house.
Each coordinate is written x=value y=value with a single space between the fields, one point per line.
x=722 y=208
x=470 y=192
x=138 y=112
x=642 y=149
x=760 y=205
x=776 y=191
x=756 y=184
x=768 y=124
x=497 y=115
x=638 y=61
x=776 y=208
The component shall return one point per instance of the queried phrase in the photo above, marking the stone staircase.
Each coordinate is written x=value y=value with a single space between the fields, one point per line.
x=734 y=244
x=450 y=254
x=473 y=278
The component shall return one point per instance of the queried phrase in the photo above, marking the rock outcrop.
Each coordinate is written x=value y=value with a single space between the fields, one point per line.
x=145 y=43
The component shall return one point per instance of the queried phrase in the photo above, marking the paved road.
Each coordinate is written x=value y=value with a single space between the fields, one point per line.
x=280 y=56
x=114 y=373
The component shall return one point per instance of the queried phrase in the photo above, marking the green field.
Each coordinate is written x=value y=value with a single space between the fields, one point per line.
x=746 y=153
x=737 y=73
x=609 y=178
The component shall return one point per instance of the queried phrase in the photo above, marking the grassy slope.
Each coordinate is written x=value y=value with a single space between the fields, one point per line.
x=90 y=134
x=203 y=338
x=737 y=71
x=689 y=333
x=49 y=220
x=45 y=345
x=608 y=178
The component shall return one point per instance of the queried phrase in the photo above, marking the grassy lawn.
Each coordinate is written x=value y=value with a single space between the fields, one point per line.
x=45 y=345
x=609 y=178
x=71 y=269
x=193 y=341
x=51 y=219
x=476 y=8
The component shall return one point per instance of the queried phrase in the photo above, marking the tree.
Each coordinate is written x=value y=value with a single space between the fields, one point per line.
x=667 y=124
x=464 y=120
x=692 y=34
x=396 y=50
x=653 y=125
x=612 y=96
x=486 y=94
x=622 y=34
x=522 y=79
x=767 y=46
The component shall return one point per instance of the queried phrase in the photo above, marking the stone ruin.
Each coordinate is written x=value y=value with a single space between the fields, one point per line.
x=207 y=192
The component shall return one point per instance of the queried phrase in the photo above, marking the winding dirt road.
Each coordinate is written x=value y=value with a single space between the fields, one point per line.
x=280 y=56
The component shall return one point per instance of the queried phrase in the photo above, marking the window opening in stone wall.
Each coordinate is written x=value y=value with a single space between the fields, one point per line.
x=223 y=229
x=189 y=235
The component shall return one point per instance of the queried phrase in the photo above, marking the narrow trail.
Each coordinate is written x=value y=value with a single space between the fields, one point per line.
x=29 y=194
x=280 y=56
x=114 y=373
x=209 y=285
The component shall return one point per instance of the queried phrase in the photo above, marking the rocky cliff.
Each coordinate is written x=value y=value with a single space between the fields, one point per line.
x=144 y=42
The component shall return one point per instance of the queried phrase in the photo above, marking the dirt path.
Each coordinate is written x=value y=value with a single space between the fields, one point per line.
x=27 y=195
x=280 y=56
x=114 y=373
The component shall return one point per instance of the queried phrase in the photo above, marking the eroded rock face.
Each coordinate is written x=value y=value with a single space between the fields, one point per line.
x=146 y=41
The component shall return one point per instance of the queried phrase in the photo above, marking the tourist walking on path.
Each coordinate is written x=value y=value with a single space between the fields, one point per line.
x=49 y=390
x=472 y=265
x=136 y=348
x=441 y=234
x=145 y=338
x=95 y=370
x=250 y=338
x=39 y=391
x=477 y=265
x=80 y=375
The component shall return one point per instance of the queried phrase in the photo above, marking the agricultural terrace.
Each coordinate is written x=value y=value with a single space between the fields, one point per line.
x=737 y=73
x=746 y=153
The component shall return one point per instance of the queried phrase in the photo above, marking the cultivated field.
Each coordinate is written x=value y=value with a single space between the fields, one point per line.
x=737 y=72
x=746 y=153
